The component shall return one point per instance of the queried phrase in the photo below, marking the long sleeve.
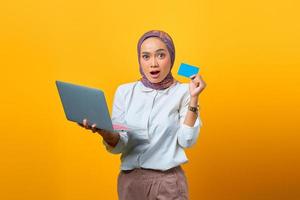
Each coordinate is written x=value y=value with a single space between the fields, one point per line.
x=120 y=145
x=187 y=136
x=118 y=114
x=157 y=137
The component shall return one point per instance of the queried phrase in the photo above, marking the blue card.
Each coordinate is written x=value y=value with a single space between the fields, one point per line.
x=187 y=70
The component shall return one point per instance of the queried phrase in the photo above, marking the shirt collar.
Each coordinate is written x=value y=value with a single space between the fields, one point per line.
x=147 y=89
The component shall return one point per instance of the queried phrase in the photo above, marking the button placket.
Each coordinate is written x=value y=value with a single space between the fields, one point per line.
x=148 y=120
x=149 y=116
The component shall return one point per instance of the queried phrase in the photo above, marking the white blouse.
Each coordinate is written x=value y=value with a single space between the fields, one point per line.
x=161 y=113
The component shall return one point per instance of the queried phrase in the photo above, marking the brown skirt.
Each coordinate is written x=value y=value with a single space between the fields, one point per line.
x=148 y=184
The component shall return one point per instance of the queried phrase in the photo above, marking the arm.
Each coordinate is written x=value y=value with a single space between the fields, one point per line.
x=116 y=142
x=191 y=117
x=190 y=122
x=111 y=139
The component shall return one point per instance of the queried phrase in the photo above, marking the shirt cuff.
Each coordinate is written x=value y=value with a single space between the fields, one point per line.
x=188 y=135
x=119 y=148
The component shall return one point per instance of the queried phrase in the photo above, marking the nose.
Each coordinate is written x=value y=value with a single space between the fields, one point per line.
x=154 y=62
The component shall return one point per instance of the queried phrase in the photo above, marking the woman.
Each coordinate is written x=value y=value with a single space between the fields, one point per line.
x=168 y=113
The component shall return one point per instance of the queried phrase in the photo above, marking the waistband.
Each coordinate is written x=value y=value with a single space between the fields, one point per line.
x=146 y=171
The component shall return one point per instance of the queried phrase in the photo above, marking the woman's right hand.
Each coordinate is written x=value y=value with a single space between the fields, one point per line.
x=111 y=138
x=93 y=128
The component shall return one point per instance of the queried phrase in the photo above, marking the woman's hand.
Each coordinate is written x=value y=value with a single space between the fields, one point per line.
x=196 y=85
x=109 y=137
x=93 y=128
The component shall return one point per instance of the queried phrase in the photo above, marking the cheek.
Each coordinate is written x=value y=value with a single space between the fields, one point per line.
x=144 y=65
x=145 y=69
x=166 y=64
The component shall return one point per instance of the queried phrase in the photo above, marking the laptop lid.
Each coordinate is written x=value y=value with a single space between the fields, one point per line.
x=80 y=102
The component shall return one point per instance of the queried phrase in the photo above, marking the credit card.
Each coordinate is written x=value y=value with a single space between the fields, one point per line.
x=187 y=70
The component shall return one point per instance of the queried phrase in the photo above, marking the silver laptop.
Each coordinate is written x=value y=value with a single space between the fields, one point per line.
x=80 y=102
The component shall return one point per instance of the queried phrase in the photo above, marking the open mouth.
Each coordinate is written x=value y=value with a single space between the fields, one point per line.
x=154 y=72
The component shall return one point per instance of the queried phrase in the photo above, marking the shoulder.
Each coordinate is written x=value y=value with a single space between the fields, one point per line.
x=182 y=88
x=125 y=88
x=182 y=92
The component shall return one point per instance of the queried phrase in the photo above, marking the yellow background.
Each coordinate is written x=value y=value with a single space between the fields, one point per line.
x=248 y=52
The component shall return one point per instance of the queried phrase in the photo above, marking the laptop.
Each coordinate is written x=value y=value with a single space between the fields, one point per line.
x=80 y=102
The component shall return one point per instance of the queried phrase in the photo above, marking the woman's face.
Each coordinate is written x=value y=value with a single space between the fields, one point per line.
x=155 y=59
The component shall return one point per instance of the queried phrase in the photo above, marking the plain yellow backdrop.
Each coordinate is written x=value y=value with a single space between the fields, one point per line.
x=248 y=52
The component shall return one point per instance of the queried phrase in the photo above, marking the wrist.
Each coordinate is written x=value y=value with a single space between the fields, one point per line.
x=111 y=139
x=194 y=101
x=106 y=135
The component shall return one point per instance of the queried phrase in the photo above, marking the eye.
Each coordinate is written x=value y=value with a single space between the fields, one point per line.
x=161 y=55
x=145 y=56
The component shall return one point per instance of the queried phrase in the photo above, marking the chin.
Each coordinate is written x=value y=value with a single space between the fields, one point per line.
x=155 y=80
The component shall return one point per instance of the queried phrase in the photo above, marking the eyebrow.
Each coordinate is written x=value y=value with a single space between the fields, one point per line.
x=156 y=51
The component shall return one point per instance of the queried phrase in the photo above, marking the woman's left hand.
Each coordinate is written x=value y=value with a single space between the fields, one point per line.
x=196 y=85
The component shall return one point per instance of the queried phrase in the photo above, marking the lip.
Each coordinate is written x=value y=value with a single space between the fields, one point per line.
x=155 y=76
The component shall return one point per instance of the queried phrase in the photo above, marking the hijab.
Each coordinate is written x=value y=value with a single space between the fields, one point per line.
x=164 y=37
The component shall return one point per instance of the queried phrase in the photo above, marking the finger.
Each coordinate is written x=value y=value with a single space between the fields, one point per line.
x=193 y=76
x=94 y=129
x=85 y=123
x=197 y=77
x=196 y=82
x=198 y=90
x=202 y=81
